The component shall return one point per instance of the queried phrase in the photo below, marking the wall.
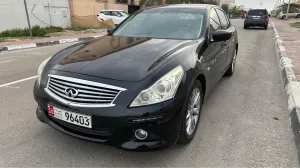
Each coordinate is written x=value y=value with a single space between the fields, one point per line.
x=12 y=13
x=92 y=7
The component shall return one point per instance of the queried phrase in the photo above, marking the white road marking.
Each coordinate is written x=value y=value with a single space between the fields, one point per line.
x=2 y=62
x=12 y=87
x=18 y=81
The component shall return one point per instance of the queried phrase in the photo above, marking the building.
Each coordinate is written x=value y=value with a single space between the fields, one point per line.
x=231 y=3
x=42 y=13
x=93 y=7
x=295 y=1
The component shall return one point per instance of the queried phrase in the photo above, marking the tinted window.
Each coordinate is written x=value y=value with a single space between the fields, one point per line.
x=223 y=19
x=257 y=12
x=214 y=16
x=107 y=13
x=174 y=23
x=214 y=22
x=115 y=13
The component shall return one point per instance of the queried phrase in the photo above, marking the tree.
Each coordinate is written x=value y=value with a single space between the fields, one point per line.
x=225 y=7
x=234 y=11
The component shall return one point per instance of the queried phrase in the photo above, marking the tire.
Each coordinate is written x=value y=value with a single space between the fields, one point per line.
x=266 y=27
x=283 y=17
x=298 y=16
x=231 y=69
x=245 y=27
x=186 y=136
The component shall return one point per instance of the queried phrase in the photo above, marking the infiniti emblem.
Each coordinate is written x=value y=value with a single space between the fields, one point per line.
x=71 y=92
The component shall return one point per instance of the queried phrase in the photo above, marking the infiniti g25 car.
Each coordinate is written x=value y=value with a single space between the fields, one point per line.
x=141 y=86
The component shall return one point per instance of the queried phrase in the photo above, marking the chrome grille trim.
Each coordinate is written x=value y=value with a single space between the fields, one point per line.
x=91 y=94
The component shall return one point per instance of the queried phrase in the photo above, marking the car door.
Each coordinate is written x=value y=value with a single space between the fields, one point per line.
x=115 y=17
x=214 y=52
x=105 y=15
x=230 y=44
x=224 y=53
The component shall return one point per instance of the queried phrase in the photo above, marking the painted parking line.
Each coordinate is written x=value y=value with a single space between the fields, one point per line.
x=7 y=61
x=18 y=81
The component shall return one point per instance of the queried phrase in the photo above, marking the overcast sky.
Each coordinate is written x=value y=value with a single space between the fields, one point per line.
x=269 y=4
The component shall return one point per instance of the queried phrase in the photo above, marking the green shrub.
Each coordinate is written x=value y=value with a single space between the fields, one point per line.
x=37 y=31
x=79 y=28
x=53 y=29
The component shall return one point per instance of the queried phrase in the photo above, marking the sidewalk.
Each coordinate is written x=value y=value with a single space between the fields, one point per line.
x=291 y=40
x=32 y=43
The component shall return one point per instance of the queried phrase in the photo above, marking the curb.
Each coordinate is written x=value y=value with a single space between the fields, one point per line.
x=291 y=87
x=42 y=44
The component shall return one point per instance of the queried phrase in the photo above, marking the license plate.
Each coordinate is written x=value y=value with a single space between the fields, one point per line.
x=256 y=18
x=70 y=117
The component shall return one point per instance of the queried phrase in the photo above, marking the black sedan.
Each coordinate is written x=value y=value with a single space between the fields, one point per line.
x=142 y=86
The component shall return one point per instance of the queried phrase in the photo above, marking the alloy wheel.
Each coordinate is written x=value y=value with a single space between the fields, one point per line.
x=233 y=61
x=193 y=111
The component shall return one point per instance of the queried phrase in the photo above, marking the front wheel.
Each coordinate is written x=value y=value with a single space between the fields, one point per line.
x=192 y=109
x=231 y=68
x=298 y=16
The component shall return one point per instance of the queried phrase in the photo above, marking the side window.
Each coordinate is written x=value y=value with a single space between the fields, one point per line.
x=114 y=13
x=214 y=22
x=214 y=17
x=223 y=19
x=108 y=13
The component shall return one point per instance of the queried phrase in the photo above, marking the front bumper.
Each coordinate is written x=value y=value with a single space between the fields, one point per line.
x=116 y=125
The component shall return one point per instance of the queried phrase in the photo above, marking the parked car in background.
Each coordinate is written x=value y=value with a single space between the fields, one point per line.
x=291 y=14
x=142 y=86
x=257 y=17
x=117 y=16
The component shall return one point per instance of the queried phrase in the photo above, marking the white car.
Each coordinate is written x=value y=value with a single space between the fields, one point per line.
x=117 y=16
x=282 y=15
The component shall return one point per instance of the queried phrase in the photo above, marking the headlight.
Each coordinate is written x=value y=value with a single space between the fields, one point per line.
x=41 y=68
x=162 y=90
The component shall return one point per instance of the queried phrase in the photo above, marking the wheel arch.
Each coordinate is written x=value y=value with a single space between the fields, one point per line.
x=202 y=80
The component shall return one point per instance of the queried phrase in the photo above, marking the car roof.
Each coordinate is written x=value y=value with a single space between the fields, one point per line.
x=199 y=6
x=258 y=9
x=106 y=10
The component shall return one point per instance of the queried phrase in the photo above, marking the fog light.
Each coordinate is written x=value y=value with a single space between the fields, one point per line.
x=141 y=134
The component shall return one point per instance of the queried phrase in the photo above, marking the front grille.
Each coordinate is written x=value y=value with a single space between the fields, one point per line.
x=88 y=93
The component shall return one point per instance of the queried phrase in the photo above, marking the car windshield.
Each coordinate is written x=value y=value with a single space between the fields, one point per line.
x=257 y=12
x=164 y=23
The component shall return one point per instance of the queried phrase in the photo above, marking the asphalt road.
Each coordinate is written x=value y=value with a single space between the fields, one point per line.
x=238 y=125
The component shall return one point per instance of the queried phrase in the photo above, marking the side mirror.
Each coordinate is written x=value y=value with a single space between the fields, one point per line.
x=221 y=35
x=109 y=31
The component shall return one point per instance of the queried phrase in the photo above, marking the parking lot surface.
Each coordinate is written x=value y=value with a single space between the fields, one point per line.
x=244 y=122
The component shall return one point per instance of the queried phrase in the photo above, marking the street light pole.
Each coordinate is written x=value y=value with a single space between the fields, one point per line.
x=29 y=26
x=288 y=8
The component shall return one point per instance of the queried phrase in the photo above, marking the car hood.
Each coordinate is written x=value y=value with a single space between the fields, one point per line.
x=119 y=58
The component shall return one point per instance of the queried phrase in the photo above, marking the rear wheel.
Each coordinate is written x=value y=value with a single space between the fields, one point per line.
x=245 y=27
x=231 y=69
x=298 y=16
x=190 y=120
x=266 y=27
x=283 y=17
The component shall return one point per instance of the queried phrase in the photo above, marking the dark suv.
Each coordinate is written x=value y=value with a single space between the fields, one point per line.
x=257 y=17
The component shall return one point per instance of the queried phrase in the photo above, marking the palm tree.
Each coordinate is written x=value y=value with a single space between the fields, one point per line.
x=234 y=10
